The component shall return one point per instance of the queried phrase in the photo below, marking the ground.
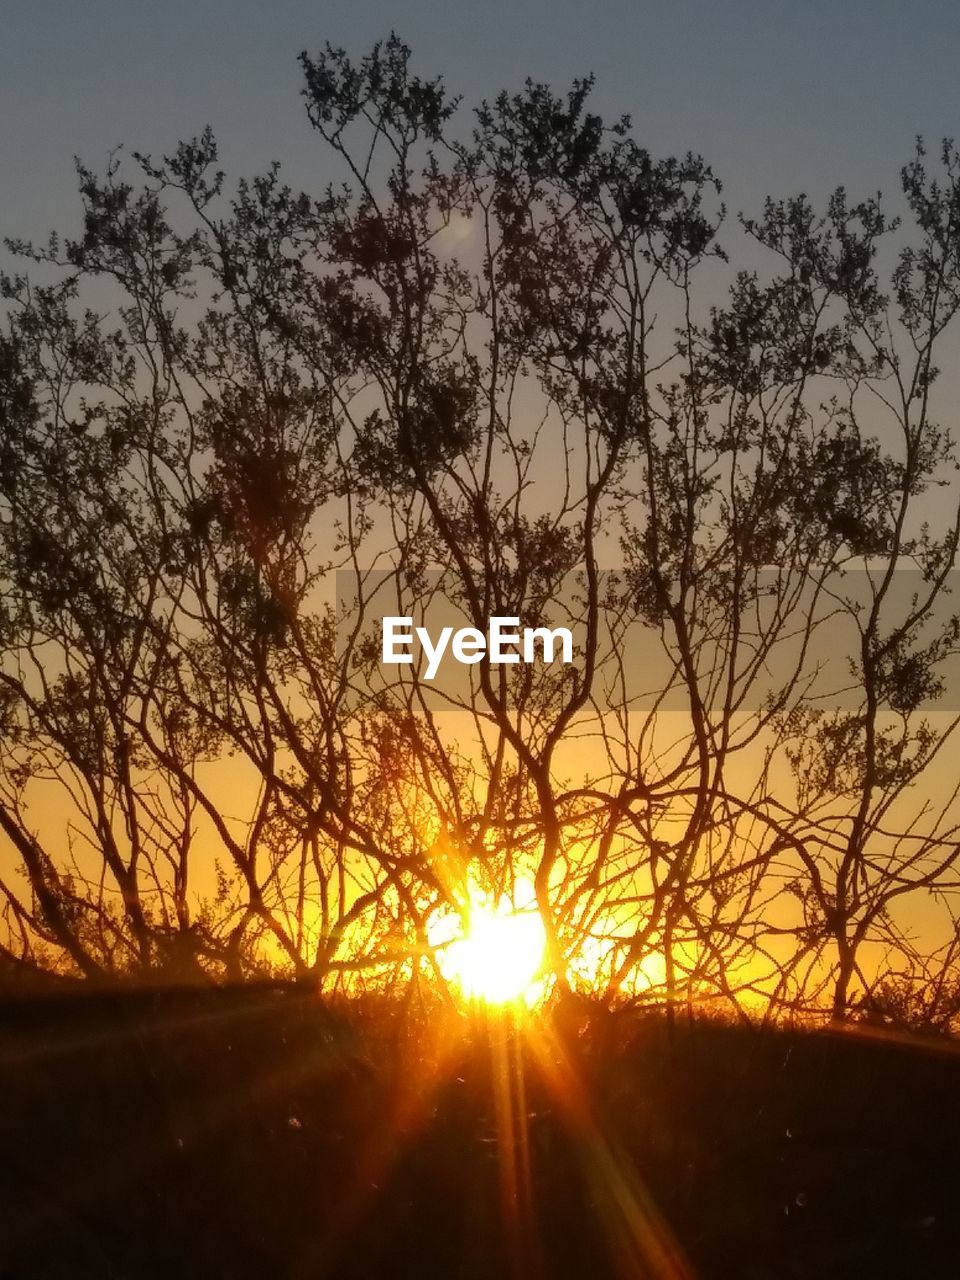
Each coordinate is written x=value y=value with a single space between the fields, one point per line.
x=260 y=1133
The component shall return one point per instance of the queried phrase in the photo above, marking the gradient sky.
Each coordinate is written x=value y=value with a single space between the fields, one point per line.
x=779 y=96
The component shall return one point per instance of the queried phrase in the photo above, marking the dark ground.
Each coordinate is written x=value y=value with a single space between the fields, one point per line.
x=256 y=1134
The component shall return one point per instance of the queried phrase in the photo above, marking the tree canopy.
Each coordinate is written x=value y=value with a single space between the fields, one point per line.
x=501 y=361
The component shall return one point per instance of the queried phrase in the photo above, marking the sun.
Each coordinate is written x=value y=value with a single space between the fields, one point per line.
x=493 y=950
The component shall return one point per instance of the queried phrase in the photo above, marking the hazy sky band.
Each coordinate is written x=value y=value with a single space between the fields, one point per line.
x=777 y=96
x=643 y=666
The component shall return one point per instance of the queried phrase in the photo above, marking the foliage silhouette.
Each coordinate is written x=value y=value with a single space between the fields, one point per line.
x=497 y=364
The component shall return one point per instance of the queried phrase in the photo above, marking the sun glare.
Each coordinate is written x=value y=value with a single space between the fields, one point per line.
x=493 y=952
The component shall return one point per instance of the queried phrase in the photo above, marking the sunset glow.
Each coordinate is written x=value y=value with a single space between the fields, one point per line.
x=492 y=951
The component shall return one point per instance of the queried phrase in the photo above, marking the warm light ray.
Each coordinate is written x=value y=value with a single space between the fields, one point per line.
x=516 y=1186
x=642 y=1243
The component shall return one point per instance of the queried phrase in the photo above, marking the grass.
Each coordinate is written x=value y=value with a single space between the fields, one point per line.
x=257 y=1133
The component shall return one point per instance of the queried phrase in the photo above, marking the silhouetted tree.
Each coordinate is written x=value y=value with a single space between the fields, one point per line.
x=485 y=371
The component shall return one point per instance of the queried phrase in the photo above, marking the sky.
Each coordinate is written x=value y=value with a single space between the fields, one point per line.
x=778 y=96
